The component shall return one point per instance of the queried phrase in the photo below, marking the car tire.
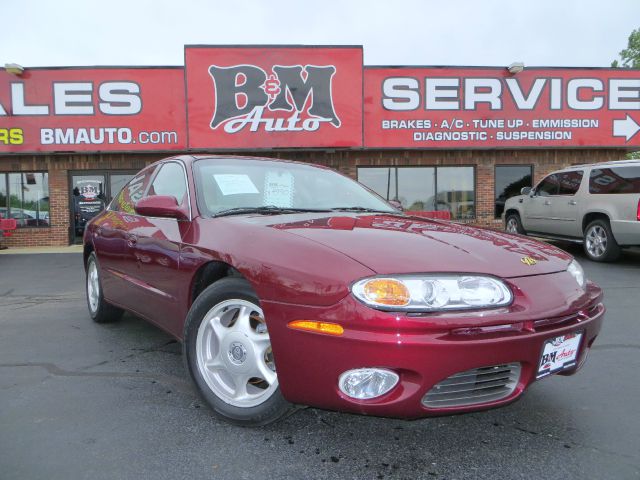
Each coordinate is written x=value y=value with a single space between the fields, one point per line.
x=599 y=243
x=513 y=224
x=227 y=352
x=99 y=309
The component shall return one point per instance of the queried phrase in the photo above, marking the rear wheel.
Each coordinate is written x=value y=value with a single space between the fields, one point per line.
x=228 y=354
x=513 y=224
x=599 y=244
x=99 y=309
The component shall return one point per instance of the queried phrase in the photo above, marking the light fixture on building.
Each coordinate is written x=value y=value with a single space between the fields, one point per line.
x=14 y=68
x=515 y=67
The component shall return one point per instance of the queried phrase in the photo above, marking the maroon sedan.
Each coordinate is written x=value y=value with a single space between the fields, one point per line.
x=292 y=284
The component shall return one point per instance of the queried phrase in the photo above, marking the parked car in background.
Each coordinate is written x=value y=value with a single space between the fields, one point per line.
x=26 y=218
x=597 y=205
x=292 y=284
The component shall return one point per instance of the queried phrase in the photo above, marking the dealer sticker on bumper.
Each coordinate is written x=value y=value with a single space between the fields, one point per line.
x=559 y=353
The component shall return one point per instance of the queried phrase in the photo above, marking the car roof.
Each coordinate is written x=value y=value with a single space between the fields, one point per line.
x=611 y=163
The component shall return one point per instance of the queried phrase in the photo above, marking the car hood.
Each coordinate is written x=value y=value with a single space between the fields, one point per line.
x=389 y=244
x=513 y=200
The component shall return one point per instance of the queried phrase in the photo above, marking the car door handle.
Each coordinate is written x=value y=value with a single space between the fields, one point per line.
x=548 y=202
x=132 y=240
x=572 y=202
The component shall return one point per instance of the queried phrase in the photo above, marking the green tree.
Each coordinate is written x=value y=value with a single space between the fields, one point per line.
x=630 y=58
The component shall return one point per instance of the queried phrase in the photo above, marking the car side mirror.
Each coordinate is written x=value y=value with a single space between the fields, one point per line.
x=396 y=204
x=525 y=191
x=164 y=206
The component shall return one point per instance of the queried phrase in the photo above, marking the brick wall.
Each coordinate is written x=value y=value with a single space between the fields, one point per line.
x=60 y=166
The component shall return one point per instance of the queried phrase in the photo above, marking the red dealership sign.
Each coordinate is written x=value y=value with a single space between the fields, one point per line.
x=253 y=98
x=264 y=97
x=92 y=109
x=448 y=107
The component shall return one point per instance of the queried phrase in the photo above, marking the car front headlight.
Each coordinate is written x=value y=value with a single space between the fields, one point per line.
x=420 y=293
x=577 y=272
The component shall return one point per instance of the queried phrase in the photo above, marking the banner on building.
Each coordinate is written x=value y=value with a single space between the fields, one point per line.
x=274 y=97
x=92 y=110
x=449 y=107
x=264 y=97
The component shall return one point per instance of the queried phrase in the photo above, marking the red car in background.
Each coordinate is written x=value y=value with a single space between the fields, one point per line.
x=292 y=284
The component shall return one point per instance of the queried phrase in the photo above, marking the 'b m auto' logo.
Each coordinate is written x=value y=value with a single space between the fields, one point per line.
x=287 y=99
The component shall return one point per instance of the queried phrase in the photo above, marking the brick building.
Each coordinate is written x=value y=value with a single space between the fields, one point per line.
x=433 y=138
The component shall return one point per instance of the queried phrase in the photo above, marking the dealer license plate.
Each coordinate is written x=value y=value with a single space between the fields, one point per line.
x=559 y=353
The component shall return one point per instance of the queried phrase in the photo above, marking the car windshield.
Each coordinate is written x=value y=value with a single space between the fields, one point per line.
x=229 y=186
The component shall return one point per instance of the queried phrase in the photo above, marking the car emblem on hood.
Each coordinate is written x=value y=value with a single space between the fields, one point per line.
x=528 y=261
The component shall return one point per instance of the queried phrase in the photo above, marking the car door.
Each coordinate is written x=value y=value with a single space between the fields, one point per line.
x=156 y=244
x=112 y=242
x=565 y=205
x=537 y=205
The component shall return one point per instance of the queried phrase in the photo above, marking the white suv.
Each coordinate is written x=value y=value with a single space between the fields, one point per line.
x=597 y=205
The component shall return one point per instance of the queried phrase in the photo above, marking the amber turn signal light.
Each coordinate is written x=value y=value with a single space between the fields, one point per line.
x=319 y=327
x=387 y=291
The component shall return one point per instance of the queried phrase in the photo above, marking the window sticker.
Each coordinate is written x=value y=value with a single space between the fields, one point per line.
x=278 y=189
x=234 y=184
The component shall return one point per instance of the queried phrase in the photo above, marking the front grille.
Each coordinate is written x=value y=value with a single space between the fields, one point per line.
x=480 y=385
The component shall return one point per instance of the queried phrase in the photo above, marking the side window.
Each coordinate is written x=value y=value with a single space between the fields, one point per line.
x=614 y=180
x=132 y=192
x=548 y=186
x=570 y=182
x=170 y=180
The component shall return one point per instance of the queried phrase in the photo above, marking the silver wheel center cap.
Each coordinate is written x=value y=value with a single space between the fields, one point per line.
x=237 y=353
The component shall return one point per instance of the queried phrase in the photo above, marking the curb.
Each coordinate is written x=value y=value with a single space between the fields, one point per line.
x=40 y=250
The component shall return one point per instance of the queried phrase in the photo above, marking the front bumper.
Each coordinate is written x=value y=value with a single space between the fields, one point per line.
x=425 y=350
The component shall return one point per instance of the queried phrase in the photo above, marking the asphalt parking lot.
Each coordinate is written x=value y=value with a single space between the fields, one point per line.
x=80 y=400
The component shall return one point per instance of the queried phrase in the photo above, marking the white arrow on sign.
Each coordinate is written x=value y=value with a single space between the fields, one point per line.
x=626 y=128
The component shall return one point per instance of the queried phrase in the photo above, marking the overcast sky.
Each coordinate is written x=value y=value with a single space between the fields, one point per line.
x=393 y=32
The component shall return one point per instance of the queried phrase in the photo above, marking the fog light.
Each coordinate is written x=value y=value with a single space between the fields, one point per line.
x=365 y=383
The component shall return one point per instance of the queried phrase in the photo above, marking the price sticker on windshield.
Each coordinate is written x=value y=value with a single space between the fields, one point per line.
x=278 y=189
x=234 y=184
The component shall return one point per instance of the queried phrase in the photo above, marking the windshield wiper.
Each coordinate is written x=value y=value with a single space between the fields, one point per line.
x=361 y=209
x=266 y=209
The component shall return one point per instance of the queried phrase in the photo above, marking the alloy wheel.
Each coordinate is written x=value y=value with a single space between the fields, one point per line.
x=234 y=355
x=93 y=287
x=597 y=240
x=512 y=225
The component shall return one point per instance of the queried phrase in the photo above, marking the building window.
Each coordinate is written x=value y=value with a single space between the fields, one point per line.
x=456 y=191
x=425 y=188
x=510 y=179
x=25 y=197
x=416 y=188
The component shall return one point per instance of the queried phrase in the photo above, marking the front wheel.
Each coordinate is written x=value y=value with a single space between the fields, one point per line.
x=599 y=244
x=228 y=354
x=513 y=224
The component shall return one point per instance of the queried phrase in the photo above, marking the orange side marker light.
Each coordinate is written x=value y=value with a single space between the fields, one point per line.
x=318 y=327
